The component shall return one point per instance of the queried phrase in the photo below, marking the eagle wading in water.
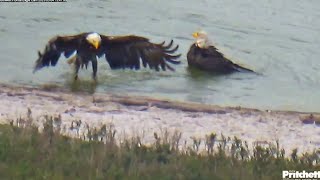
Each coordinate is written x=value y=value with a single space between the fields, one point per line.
x=203 y=55
x=120 y=52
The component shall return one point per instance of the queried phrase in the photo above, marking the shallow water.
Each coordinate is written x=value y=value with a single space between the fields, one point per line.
x=279 y=39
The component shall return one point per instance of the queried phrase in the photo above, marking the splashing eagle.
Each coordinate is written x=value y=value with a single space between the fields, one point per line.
x=203 y=55
x=120 y=52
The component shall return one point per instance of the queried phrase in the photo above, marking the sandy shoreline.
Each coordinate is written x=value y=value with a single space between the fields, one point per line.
x=143 y=116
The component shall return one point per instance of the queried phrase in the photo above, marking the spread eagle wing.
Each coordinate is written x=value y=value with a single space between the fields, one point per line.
x=130 y=51
x=55 y=47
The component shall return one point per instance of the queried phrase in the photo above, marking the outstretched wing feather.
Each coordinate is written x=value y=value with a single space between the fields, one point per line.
x=55 y=47
x=130 y=51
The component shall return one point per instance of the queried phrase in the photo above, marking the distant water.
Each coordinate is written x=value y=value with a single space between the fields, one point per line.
x=279 y=39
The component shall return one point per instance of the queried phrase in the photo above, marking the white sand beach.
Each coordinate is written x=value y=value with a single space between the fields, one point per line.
x=143 y=116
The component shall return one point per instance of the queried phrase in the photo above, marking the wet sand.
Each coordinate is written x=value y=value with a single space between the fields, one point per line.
x=143 y=116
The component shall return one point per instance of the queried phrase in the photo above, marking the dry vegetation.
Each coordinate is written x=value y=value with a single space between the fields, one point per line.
x=27 y=154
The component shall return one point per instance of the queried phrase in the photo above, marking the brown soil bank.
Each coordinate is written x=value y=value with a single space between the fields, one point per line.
x=142 y=116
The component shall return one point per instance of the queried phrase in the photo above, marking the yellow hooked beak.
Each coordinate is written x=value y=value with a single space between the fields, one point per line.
x=195 y=34
x=96 y=44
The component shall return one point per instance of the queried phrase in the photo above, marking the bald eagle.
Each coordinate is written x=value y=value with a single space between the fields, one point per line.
x=203 y=55
x=120 y=52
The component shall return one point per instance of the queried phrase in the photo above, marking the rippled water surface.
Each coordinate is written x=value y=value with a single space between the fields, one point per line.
x=279 y=39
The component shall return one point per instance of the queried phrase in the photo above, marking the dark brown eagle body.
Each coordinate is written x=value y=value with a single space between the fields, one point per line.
x=120 y=52
x=211 y=60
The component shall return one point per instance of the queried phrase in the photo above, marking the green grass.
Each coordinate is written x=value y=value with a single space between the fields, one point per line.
x=27 y=154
